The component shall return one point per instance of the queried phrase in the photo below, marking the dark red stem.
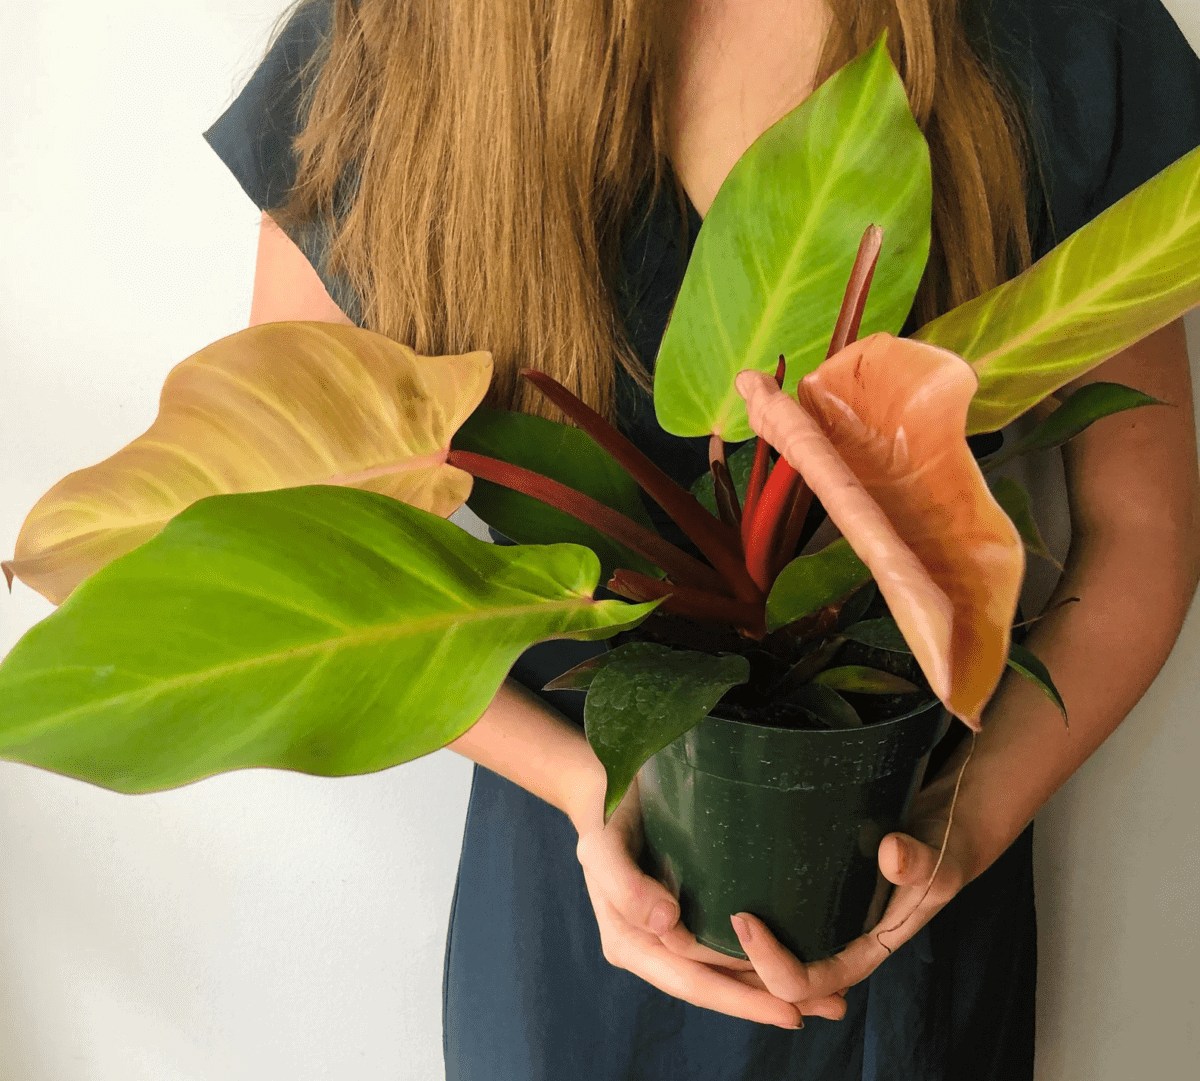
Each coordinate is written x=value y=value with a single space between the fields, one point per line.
x=724 y=491
x=712 y=536
x=637 y=538
x=692 y=603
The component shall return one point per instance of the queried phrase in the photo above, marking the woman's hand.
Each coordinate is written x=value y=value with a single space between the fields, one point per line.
x=640 y=930
x=909 y=861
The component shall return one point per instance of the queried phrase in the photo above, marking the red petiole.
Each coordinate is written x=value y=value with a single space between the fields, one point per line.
x=682 y=567
x=713 y=537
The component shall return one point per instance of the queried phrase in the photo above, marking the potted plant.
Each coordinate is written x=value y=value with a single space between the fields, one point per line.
x=265 y=577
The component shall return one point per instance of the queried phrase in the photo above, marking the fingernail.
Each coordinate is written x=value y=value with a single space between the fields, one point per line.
x=662 y=918
x=794 y=1027
x=901 y=857
x=741 y=928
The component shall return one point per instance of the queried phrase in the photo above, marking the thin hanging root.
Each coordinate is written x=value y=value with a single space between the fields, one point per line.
x=941 y=853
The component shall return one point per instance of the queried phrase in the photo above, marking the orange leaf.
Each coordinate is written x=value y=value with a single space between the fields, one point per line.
x=276 y=406
x=879 y=435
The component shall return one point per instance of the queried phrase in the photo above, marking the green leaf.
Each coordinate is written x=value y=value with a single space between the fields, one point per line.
x=826 y=705
x=321 y=629
x=1129 y=271
x=645 y=697
x=879 y=634
x=1014 y=501
x=1021 y=660
x=863 y=680
x=564 y=454
x=1088 y=404
x=813 y=581
x=740 y=462
x=771 y=263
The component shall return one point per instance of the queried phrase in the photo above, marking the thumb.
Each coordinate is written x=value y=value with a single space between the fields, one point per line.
x=639 y=899
x=904 y=860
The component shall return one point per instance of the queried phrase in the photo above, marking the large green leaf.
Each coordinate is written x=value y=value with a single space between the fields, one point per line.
x=813 y=581
x=320 y=629
x=1129 y=271
x=564 y=454
x=646 y=696
x=771 y=263
x=1086 y=406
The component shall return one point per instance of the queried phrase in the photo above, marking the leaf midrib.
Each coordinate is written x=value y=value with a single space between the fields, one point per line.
x=375 y=633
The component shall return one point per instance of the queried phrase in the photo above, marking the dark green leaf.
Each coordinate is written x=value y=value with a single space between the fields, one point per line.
x=564 y=454
x=878 y=633
x=814 y=581
x=863 y=680
x=1014 y=501
x=826 y=705
x=1088 y=404
x=646 y=697
x=771 y=263
x=1021 y=660
x=321 y=629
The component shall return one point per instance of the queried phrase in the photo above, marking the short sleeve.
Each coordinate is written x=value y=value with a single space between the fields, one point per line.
x=253 y=137
x=1111 y=91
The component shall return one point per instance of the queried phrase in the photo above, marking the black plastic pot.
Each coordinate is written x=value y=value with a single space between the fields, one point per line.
x=782 y=823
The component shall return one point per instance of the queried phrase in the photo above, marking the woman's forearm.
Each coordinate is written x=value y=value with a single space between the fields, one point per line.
x=1103 y=652
x=524 y=740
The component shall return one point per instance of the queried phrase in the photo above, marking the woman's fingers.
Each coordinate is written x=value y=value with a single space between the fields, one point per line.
x=645 y=956
x=786 y=977
x=681 y=942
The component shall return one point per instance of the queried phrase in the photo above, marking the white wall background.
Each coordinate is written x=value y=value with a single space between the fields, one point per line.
x=263 y=925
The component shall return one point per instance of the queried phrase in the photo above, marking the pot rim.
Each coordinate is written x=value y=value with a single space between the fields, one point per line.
x=817 y=732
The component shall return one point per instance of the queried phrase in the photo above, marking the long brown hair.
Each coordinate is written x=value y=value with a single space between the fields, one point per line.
x=471 y=166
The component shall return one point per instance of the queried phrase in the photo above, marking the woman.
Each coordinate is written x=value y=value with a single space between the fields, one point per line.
x=496 y=175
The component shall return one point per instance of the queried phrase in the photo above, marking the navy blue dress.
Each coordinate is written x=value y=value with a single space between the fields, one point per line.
x=1111 y=92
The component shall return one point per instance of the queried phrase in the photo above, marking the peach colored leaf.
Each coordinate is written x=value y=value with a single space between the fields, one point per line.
x=275 y=406
x=880 y=439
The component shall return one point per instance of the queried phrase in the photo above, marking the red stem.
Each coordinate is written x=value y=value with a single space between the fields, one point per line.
x=769 y=516
x=724 y=491
x=771 y=524
x=692 y=603
x=712 y=536
x=854 y=301
x=637 y=538
x=758 y=471
x=794 y=526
